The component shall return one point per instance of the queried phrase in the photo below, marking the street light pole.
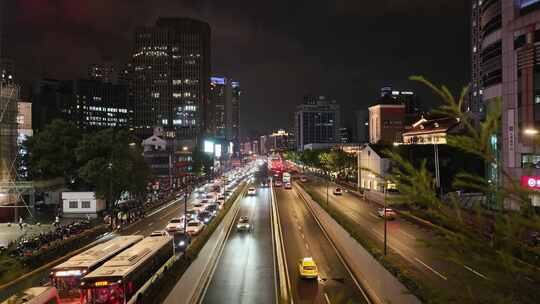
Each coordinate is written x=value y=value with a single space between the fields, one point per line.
x=188 y=193
x=385 y=220
x=327 y=184
x=437 y=169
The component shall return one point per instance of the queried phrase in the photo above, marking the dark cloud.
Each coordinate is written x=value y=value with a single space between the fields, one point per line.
x=279 y=50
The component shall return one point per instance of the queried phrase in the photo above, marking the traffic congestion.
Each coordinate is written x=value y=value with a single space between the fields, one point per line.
x=115 y=270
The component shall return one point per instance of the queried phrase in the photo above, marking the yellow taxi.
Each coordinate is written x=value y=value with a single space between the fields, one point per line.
x=307 y=268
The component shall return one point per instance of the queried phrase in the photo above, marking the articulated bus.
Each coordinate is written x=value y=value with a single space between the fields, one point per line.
x=66 y=277
x=35 y=295
x=121 y=277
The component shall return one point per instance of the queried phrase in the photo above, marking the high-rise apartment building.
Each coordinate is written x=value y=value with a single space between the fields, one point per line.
x=505 y=38
x=170 y=77
x=407 y=98
x=317 y=120
x=219 y=107
x=104 y=71
x=234 y=116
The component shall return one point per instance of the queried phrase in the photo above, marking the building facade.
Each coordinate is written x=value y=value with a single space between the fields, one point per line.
x=505 y=38
x=170 y=77
x=234 y=116
x=361 y=126
x=90 y=104
x=317 y=120
x=219 y=109
x=386 y=123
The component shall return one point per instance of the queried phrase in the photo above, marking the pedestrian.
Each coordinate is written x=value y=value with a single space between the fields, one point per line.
x=20 y=223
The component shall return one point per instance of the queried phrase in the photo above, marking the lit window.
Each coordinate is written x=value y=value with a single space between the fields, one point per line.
x=176 y=95
x=155 y=94
x=177 y=81
x=164 y=121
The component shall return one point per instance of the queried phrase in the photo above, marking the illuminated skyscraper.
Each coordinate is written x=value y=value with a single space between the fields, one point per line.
x=170 y=77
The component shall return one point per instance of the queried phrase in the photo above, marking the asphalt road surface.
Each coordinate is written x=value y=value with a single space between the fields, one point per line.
x=304 y=238
x=410 y=241
x=245 y=271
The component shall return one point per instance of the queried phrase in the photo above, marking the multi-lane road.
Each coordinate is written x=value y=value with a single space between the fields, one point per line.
x=245 y=271
x=409 y=241
x=303 y=237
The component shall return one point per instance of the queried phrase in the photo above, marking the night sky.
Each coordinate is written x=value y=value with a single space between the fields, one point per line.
x=279 y=50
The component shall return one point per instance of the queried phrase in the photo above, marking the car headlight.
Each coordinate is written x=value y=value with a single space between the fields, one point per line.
x=247 y=225
x=182 y=243
x=238 y=226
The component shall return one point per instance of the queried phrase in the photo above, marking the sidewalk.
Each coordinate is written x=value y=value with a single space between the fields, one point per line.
x=10 y=232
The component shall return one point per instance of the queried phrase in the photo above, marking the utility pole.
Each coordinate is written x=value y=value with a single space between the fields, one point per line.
x=385 y=219
x=437 y=169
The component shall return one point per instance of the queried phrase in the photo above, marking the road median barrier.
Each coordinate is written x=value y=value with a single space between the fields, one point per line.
x=284 y=282
x=183 y=282
x=378 y=282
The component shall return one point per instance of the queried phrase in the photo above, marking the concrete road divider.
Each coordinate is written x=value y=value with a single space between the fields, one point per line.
x=380 y=285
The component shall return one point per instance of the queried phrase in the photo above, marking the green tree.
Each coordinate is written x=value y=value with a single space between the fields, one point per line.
x=492 y=240
x=50 y=153
x=112 y=163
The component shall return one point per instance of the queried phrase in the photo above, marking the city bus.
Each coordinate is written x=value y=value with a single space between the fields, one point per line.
x=119 y=279
x=35 y=295
x=66 y=277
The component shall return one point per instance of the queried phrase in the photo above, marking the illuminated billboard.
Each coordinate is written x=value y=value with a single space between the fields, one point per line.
x=525 y=3
x=217 y=80
x=231 y=148
x=208 y=146
x=217 y=149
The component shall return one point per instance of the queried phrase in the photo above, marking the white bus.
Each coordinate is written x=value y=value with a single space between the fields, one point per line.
x=66 y=277
x=121 y=277
x=35 y=295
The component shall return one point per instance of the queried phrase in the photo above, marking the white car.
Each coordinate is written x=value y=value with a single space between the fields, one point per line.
x=252 y=191
x=338 y=191
x=198 y=207
x=194 y=227
x=175 y=225
x=159 y=233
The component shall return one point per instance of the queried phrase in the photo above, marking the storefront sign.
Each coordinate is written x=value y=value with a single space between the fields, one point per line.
x=531 y=182
x=511 y=138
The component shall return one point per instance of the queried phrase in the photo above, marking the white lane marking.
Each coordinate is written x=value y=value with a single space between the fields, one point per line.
x=162 y=208
x=326 y=298
x=302 y=235
x=136 y=232
x=151 y=223
x=408 y=234
x=307 y=246
x=475 y=272
x=168 y=214
x=434 y=271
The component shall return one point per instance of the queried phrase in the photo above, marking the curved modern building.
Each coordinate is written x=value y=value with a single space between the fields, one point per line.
x=505 y=52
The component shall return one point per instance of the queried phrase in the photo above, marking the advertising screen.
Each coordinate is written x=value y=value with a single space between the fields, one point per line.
x=208 y=146
x=218 y=150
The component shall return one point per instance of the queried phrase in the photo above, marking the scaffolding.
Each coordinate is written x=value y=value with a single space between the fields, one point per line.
x=10 y=190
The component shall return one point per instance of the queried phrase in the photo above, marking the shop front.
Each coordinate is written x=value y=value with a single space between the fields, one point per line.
x=532 y=183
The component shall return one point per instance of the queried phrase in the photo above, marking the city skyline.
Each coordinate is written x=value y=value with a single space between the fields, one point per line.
x=349 y=70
